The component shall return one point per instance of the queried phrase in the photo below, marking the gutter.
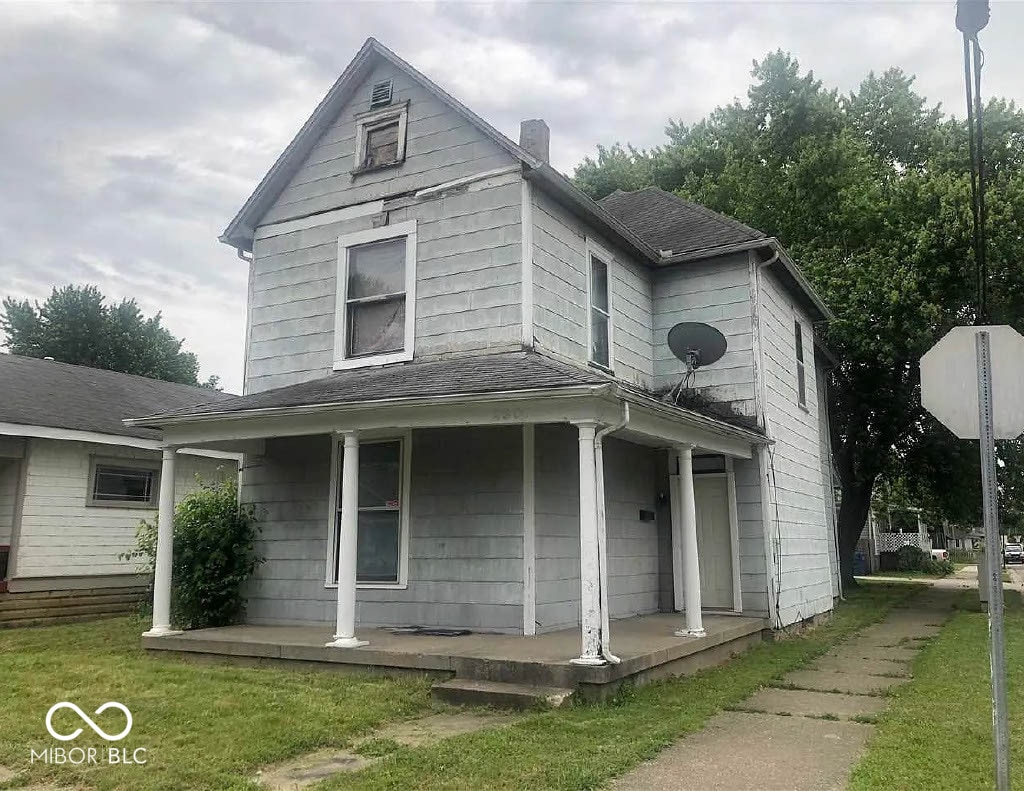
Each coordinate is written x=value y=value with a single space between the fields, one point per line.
x=698 y=419
x=713 y=252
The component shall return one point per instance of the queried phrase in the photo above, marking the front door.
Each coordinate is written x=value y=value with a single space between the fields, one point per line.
x=714 y=540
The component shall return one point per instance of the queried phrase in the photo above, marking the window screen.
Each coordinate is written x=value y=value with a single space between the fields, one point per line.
x=600 y=313
x=375 y=299
x=379 y=538
x=117 y=484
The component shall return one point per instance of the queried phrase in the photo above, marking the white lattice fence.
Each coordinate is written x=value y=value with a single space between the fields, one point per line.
x=890 y=542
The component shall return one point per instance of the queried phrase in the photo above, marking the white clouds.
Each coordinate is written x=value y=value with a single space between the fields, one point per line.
x=131 y=134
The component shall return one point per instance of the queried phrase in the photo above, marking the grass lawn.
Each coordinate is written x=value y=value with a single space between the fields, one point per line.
x=212 y=726
x=204 y=726
x=585 y=746
x=909 y=575
x=937 y=733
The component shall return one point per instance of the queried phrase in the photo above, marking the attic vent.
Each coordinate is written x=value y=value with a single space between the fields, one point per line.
x=381 y=95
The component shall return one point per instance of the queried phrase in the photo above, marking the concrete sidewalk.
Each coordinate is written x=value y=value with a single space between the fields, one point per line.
x=808 y=730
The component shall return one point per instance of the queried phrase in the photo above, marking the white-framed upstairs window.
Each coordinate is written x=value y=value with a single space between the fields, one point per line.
x=600 y=329
x=801 y=373
x=375 y=308
x=380 y=138
x=382 y=543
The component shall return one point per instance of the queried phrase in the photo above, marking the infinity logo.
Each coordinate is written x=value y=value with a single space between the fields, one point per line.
x=85 y=718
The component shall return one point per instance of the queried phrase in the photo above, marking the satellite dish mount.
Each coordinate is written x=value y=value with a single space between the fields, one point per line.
x=695 y=344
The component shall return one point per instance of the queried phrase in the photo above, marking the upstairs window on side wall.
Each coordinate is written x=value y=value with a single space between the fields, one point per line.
x=801 y=380
x=374 y=313
x=380 y=138
x=600 y=313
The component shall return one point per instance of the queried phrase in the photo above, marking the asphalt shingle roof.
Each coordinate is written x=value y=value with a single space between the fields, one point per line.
x=38 y=392
x=668 y=222
x=491 y=373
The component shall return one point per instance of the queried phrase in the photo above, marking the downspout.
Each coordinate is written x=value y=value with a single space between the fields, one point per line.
x=602 y=533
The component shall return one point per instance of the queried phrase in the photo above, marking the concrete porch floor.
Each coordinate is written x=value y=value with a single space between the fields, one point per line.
x=646 y=645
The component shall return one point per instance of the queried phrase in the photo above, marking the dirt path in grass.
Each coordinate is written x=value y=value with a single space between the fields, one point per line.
x=807 y=730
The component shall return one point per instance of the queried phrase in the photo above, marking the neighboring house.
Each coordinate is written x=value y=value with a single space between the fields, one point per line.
x=75 y=481
x=452 y=412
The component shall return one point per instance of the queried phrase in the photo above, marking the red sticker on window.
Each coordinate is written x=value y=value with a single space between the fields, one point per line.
x=391 y=504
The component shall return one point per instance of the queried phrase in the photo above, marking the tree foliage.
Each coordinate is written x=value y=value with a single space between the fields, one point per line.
x=77 y=325
x=871 y=193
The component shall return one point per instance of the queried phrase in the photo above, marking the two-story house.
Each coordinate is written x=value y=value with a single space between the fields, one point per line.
x=452 y=417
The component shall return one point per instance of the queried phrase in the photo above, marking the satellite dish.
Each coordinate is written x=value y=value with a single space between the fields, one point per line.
x=696 y=344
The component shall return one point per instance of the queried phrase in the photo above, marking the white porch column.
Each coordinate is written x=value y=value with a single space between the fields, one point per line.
x=691 y=567
x=590 y=585
x=164 y=549
x=345 y=631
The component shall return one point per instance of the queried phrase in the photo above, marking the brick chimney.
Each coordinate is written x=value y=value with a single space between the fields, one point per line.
x=535 y=137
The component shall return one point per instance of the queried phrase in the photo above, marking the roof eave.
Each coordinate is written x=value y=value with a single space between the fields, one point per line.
x=713 y=252
x=239 y=232
x=563 y=188
x=702 y=420
x=802 y=282
x=173 y=419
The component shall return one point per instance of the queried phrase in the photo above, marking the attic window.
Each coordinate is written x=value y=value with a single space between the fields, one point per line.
x=381 y=95
x=380 y=138
x=381 y=145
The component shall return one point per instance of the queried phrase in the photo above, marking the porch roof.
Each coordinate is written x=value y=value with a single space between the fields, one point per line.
x=499 y=388
x=490 y=373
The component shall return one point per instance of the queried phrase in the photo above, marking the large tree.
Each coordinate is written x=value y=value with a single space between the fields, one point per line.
x=870 y=192
x=76 y=325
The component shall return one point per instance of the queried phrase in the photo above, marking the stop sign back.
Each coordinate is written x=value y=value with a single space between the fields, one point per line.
x=949 y=381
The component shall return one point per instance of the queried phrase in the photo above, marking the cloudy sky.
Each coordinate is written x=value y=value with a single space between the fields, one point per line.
x=130 y=134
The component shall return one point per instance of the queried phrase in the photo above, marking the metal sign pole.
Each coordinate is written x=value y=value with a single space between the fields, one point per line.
x=994 y=575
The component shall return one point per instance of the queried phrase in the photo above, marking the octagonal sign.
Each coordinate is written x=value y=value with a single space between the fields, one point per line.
x=949 y=381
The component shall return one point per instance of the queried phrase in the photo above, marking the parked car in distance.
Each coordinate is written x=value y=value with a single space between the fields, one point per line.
x=940 y=554
x=1013 y=553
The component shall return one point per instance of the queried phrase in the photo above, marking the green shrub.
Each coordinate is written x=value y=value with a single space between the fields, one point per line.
x=940 y=568
x=214 y=554
x=910 y=558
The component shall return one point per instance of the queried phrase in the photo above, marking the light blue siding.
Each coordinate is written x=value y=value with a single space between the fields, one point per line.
x=798 y=505
x=560 y=311
x=716 y=292
x=440 y=146
x=465 y=540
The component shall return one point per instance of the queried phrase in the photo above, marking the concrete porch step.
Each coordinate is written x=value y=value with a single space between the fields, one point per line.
x=498 y=694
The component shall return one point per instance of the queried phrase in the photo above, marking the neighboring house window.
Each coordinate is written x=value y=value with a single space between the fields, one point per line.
x=123 y=483
x=801 y=381
x=382 y=546
x=380 y=138
x=375 y=308
x=600 y=321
